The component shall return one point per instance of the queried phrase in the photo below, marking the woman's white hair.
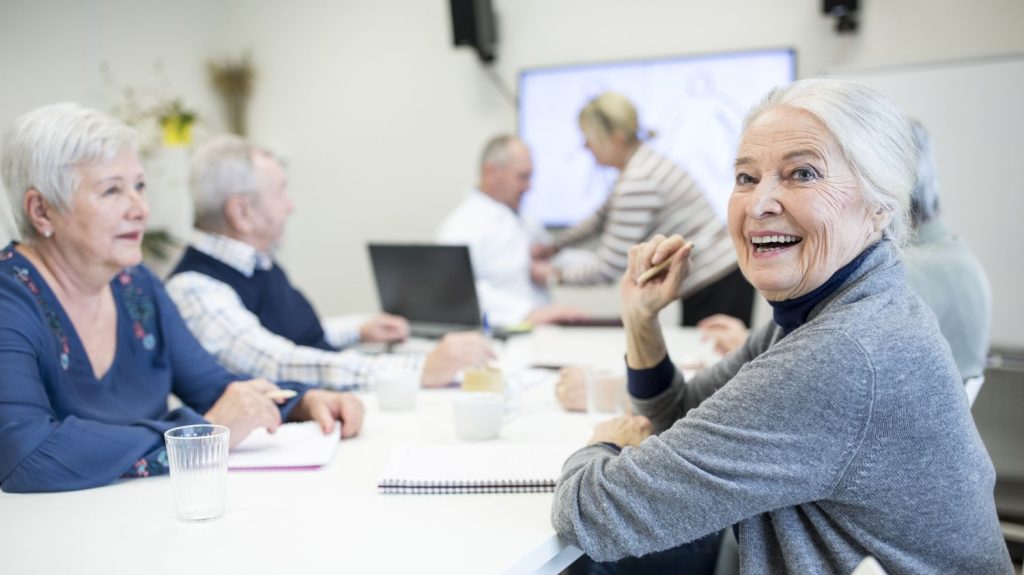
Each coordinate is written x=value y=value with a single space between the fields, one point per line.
x=873 y=134
x=221 y=168
x=45 y=147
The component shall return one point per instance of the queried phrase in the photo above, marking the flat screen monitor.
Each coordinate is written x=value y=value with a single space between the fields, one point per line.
x=695 y=104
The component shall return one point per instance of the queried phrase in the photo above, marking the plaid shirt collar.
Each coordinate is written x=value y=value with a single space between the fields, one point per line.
x=239 y=255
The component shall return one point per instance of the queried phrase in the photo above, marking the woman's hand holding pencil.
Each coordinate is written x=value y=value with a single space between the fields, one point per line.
x=654 y=276
x=658 y=268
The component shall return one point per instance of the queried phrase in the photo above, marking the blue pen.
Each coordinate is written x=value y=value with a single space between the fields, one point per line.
x=485 y=327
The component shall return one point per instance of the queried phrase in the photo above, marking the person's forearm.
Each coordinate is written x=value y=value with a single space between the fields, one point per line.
x=645 y=344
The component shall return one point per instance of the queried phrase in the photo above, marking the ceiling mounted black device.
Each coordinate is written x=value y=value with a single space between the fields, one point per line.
x=473 y=25
x=845 y=13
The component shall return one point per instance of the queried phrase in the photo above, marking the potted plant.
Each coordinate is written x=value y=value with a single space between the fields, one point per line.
x=176 y=121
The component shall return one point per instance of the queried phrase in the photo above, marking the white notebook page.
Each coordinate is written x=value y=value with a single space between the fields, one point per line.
x=476 y=463
x=292 y=446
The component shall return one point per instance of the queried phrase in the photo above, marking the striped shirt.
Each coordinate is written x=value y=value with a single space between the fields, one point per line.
x=224 y=327
x=652 y=196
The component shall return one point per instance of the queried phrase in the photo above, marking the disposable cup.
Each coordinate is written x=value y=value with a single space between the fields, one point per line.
x=478 y=414
x=397 y=389
x=606 y=392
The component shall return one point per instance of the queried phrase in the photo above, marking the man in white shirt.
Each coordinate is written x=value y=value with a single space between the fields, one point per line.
x=499 y=238
x=242 y=308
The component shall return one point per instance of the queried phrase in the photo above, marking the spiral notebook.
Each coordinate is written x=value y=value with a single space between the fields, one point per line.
x=474 y=468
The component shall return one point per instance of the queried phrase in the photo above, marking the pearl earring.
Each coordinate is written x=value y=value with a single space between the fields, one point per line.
x=47 y=233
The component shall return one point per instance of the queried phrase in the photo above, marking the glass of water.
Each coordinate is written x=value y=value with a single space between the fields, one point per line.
x=198 y=456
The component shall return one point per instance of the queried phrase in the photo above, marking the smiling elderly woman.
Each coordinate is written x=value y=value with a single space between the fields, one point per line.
x=90 y=345
x=839 y=431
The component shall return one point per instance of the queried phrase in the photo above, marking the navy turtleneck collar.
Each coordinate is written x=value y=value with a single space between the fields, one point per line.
x=792 y=313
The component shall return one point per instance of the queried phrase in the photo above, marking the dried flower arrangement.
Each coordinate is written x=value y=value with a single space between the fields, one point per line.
x=233 y=81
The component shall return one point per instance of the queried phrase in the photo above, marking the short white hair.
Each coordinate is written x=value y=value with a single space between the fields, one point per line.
x=45 y=147
x=496 y=151
x=220 y=168
x=924 y=200
x=873 y=134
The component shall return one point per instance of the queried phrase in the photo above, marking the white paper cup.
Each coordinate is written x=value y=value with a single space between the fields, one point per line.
x=478 y=414
x=397 y=389
x=198 y=456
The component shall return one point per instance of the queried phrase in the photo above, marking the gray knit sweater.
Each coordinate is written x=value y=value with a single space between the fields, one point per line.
x=850 y=436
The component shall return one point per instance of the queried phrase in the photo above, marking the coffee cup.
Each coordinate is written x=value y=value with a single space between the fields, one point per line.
x=396 y=389
x=484 y=378
x=478 y=414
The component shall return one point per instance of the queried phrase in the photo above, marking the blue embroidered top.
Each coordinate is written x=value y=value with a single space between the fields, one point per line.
x=61 y=428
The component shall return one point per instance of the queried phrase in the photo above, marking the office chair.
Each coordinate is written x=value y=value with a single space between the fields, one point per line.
x=972 y=385
x=728 y=562
x=868 y=566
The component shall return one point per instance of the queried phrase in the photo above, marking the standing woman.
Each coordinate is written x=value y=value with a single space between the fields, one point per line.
x=90 y=344
x=653 y=195
x=839 y=431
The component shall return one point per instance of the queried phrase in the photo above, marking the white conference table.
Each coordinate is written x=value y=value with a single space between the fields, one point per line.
x=332 y=519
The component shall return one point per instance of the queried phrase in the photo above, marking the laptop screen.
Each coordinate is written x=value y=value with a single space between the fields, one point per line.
x=426 y=283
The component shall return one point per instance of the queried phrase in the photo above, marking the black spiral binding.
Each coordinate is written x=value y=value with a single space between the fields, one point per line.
x=406 y=487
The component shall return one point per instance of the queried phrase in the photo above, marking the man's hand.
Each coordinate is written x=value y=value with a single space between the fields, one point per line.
x=327 y=407
x=543 y=273
x=456 y=351
x=556 y=313
x=385 y=328
x=539 y=251
x=728 y=333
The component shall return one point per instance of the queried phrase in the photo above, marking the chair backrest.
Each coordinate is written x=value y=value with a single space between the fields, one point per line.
x=868 y=566
x=972 y=385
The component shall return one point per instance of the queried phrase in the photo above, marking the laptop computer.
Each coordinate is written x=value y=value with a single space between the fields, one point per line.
x=430 y=285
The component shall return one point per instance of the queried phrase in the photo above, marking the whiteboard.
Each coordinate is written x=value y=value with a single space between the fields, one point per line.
x=974 y=111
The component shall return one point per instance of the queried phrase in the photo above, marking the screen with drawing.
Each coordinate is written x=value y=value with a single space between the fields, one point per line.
x=695 y=104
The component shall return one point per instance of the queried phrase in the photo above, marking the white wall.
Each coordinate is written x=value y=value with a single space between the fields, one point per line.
x=972 y=109
x=53 y=50
x=381 y=118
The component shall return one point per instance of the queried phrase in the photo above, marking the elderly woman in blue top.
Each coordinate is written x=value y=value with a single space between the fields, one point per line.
x=90 y=345
x=839 y=431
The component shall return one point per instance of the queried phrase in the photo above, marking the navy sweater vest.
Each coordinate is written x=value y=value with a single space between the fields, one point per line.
x=268 y=294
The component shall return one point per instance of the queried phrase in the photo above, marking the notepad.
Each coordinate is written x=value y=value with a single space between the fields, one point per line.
x=474 y=468
x=292 y=446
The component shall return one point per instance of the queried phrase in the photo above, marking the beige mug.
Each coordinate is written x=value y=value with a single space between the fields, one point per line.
x=484 y=378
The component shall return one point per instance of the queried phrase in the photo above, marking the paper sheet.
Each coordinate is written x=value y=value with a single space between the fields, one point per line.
x=292 y=446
